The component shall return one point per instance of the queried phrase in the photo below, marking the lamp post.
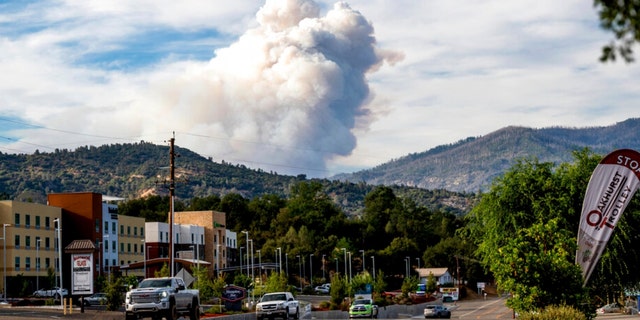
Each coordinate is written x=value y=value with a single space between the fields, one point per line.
x=260 y=263
x=59 y=222
x=418 y=258
x=280 y=259
x=4 y=269
x=286 y=264
x=218 y=260
x=363 y=267
x=311 y=270
x=241 y=259
x=38 y=264
x=247 y=244
x=406 y=266
x=4 y=244
x=252 y=273
x=350 y=276
x=373 y=259
x=345 y=262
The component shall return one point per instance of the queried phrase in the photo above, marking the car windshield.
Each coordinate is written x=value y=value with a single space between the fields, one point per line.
x=155 y=283
x=362 y=301
x=274 y=297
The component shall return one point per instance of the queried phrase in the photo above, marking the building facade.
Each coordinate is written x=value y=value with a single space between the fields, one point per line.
x=30 y=239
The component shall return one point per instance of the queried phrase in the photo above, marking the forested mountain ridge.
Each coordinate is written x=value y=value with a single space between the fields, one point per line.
x=471 y=164
x=135 y=170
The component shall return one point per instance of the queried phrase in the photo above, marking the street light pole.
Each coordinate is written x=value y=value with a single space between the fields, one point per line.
x=363 y=266
x=350 y=276
x=241 y=259
x=373 y=259
x=247 y=244
x=4 y=267
x=60 y=258
x=38 y=264
x=218 y=260
x=418 y=258
x=345 y=262
x=286 y=265
x=4 y=270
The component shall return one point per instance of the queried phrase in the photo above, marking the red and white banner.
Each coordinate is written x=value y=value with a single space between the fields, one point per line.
x=610 y=189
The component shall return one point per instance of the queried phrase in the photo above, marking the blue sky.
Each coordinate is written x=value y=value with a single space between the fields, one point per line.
x=296 y=86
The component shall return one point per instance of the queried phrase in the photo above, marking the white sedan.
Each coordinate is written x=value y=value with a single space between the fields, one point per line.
x=608 y=308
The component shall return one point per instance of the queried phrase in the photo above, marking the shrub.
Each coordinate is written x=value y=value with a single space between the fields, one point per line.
x=553 y=313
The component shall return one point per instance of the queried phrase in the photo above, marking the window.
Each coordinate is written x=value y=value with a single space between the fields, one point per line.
x=16 y=220
x=46 y=243
x=27 y=221
x=121 y=230
x=121 y=247
x=106 y=227
x=135 y=231
x=128 y=230
x=113 y=246
x=38 y=242
x=113 y=227
x=192 y=237
x=114 y=262
x=135 y=248
x=97 y=226
x=47 y=263
x=142 y=231
x=27 y=263
x=160 y=236
x=16 y=241
x=27 y=242
x=47 y=223
x=37 y=263
x=37 y=222
x=17 y=266
x=129 y=247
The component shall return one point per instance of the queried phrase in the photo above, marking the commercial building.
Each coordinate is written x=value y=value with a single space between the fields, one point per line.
x=30 y=240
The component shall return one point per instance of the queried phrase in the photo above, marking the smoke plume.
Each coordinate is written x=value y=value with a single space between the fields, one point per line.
x=286 y=95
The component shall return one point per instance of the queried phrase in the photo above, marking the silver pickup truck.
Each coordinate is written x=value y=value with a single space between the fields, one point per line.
x=162 y=297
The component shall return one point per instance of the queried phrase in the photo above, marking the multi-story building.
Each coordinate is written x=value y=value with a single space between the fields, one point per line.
x=215 y=235
x=131 y=241
x=30 y=241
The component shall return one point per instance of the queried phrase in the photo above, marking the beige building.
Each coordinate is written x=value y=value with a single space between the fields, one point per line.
x=215 y=235
x=131 y=241
x=31 y=245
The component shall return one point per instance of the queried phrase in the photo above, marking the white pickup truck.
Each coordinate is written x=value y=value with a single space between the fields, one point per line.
x=162 y=297
x=278 y=305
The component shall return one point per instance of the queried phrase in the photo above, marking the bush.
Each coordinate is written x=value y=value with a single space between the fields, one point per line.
x=553 y=313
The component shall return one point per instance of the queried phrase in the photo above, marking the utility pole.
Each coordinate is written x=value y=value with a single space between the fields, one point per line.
x=172 y=187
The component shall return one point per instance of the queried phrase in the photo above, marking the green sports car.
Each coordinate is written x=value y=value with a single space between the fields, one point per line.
x=363 y=308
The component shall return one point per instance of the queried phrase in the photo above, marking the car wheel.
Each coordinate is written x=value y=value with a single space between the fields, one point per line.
x=297 y=316
x=172 y=313
x=195 y=312
x=286 y=314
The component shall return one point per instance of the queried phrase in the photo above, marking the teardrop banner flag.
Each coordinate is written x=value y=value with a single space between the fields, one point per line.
x=610 y=189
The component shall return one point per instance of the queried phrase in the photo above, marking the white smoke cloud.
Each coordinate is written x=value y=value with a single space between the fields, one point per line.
x=285 y=96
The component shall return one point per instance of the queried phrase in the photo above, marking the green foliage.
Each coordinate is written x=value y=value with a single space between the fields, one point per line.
x=275 y=283
x=360 y=281
x=409 y=285
x=218 y=285
x=338 y=289
x=553 y=312
x=203 y=283
x=621 y=18
x=431 y=284
x=163 y=272
x=115 y=293
x=242 y=280
x=379 y=285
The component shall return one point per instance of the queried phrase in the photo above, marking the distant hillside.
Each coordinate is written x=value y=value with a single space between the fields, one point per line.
x=471 y=164
x=135 y=170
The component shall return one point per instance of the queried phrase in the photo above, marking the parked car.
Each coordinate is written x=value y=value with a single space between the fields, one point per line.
x=51 y=293
x=323 y=288
x=363 y=308
x=436 y=311
x=96 y=299
x=609 y=308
